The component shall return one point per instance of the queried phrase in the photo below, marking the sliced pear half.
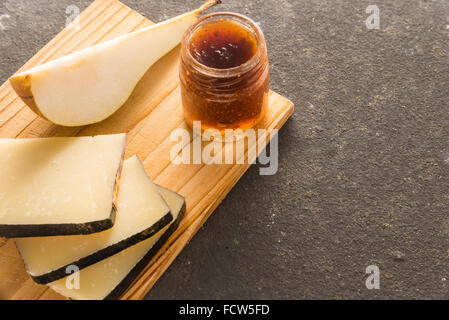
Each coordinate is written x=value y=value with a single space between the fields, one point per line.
x=89 y=85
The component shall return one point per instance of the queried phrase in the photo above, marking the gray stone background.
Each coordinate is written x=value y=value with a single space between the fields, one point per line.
x=363 y=163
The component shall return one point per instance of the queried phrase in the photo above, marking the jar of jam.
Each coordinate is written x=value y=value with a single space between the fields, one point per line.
x=224 y=72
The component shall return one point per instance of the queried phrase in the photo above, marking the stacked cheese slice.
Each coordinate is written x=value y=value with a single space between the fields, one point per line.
x=78 y=211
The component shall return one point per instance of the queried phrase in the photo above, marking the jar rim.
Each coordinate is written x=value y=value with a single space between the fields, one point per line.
x=228 y=72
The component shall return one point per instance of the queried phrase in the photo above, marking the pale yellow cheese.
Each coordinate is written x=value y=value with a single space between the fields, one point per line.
x=58 y=180
x=98 y=280
x=140 y=207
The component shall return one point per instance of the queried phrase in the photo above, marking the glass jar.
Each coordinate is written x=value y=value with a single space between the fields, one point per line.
x=224 y=98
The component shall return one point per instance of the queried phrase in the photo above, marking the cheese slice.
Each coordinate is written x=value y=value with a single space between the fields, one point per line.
x=109 y=278
x=59 y=186
x=141 y=212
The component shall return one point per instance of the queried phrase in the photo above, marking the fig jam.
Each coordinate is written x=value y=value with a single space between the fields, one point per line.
x=224 y=73
x=222 y=44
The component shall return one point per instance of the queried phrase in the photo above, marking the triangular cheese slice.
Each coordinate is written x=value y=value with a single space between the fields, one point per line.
x=59 y=186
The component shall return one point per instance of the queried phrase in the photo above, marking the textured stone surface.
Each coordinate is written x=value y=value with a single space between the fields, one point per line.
x=364 y=161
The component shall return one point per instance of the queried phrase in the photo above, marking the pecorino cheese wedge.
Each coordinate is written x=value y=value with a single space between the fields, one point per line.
x=109 y=278
x=141 y=213
x=59 y=186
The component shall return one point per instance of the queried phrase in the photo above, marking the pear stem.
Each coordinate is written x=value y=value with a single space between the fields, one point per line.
x=208 y=4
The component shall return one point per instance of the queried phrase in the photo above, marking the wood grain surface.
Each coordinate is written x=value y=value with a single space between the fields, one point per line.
x=149 y=117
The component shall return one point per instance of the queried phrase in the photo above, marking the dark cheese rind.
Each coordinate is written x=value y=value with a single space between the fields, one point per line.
x=63 y=229
x=110 y=278
x=126 y=282
x=106 y=252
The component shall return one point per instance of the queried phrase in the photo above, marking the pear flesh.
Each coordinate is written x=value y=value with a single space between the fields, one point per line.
x=89 y=85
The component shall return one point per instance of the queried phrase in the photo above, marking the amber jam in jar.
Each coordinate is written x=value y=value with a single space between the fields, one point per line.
x=224 y=72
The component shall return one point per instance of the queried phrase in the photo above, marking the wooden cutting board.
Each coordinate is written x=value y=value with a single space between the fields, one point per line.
x=149 y=116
